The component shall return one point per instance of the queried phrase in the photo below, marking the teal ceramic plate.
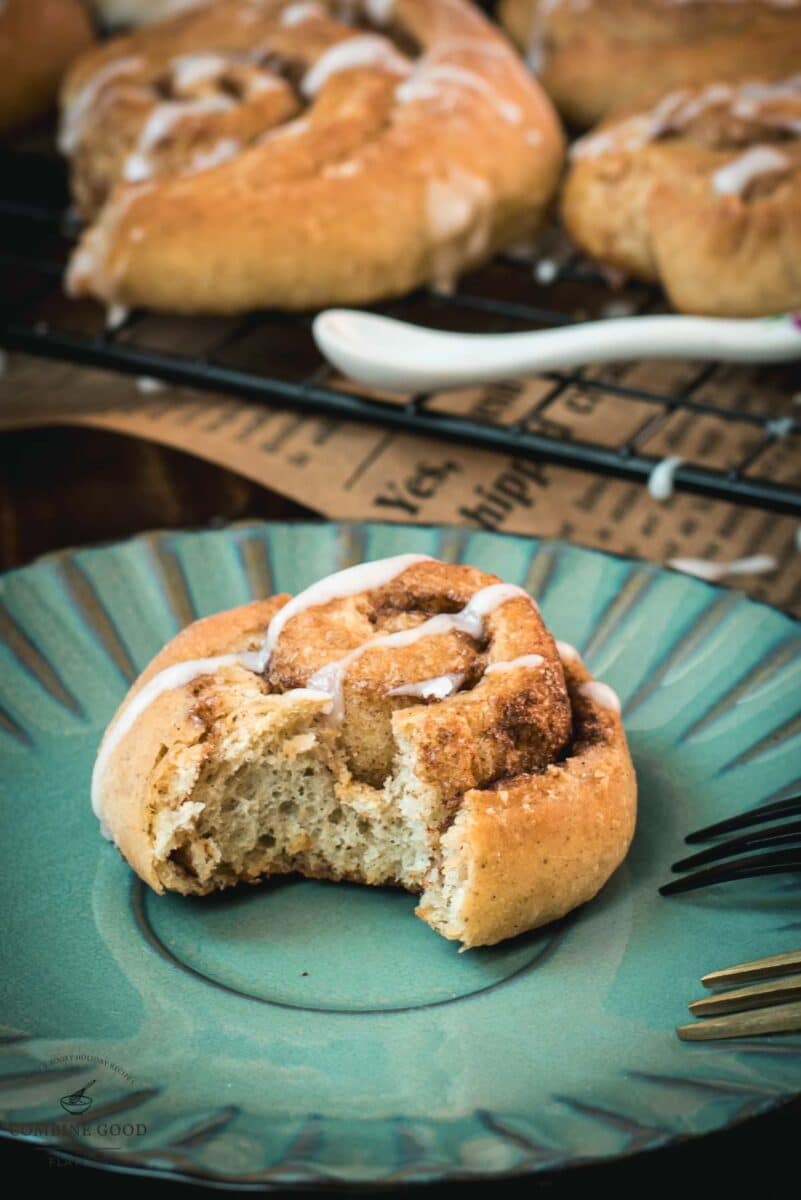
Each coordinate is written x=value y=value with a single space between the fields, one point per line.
x=307 y=1033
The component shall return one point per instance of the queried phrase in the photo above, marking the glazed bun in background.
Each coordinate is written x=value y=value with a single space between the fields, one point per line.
x=293 y=155
x=701 y=193
x=595 y=57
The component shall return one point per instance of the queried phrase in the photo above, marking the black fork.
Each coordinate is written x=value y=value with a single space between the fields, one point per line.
x=773 y=850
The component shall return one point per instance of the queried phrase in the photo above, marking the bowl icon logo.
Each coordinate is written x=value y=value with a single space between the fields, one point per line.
x=78 y=1102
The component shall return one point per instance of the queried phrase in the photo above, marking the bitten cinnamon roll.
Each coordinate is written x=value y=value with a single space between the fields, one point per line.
x=701 y=193
x=38 y=41
x=255 y=153
x=403 y=722
x=595 y=57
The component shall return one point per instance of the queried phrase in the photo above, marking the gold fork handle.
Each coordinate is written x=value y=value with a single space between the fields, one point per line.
x=758 y=968
x=755 y=995
x=779 y=1018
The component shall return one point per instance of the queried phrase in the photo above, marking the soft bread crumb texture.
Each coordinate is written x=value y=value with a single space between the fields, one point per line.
x=465 y=802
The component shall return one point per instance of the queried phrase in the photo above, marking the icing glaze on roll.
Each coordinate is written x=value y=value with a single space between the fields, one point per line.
x=736 y=177
x=469 y=620
x=601 y=694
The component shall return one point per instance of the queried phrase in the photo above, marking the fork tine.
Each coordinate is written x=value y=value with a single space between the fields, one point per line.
x=783 y=835
x=755 y=995
x=786 y=963
x=779 y=1018
x=755 y=816
x=774 y=863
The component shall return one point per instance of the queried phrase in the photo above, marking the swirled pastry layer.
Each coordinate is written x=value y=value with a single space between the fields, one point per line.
x=406 y=722
x=258 y=153
x=701 y=192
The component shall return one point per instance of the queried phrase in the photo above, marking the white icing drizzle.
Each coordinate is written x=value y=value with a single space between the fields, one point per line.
x=677 y=110
x=379 y=11
x=452 y=204
x=160 y=124
x=116 y=316
x=737 y=176
x=364 y=577
x=567 y=653
x=298 y=14
x=629 y=134
x=545 y=271
x=512 y=664
x=660 y=481
x=469 y=620
x=431 y=689
x=188 y=70
x=713 y=572
x=424 y=84
x=366 y=50
x=220 y=152
x=780 y=427
x=148 y=385
x=77 y=109
x=342 y=170
x=459 y=221
x=600 y=694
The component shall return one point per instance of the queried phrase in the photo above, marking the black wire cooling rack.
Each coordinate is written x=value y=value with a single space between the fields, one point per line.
x=619 y=420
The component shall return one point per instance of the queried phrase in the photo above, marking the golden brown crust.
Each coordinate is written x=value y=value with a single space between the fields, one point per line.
x=599 y=56
x=656 y=195
x=180 y=718
x=529 y=774
x=535 y=847
x=389 y=174
x=38 y=41
x=499 y=723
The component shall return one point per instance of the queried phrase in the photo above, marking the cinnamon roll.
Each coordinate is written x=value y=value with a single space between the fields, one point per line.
x=404 y=722
x=595 y=57
x=256 y=153
x=701 y=193
x=38 y=41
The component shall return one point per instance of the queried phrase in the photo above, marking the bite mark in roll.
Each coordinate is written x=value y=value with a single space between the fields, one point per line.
x=404 y=722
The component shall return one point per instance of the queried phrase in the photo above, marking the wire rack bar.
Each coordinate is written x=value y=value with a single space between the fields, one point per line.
x=36 y=230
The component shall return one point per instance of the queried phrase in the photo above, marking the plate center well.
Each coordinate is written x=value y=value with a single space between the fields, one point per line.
x=332 y=947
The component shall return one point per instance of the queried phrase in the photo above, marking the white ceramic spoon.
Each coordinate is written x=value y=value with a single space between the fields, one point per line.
x=384 y=353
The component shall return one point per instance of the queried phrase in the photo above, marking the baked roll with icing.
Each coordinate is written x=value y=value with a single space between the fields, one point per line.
x=256 y=153
x=38 y=41
x=595 y=57
x=402 y=722
x=701 y=193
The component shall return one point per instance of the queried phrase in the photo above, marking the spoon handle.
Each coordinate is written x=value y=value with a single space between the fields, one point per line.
x=383 y=352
